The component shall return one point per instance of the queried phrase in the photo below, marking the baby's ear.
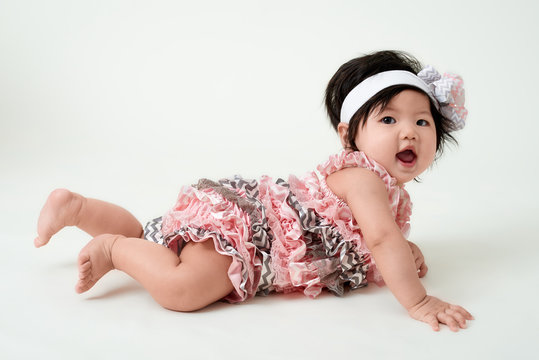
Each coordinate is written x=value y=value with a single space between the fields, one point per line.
x=342 y=129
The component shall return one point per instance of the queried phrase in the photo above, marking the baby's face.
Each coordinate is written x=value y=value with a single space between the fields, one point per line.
x=402 y=137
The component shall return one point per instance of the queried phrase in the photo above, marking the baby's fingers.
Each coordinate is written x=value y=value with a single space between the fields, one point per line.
x=449 y=321
x=457 y=316
x=433 y=322
x=422 y=270
x=462 y=311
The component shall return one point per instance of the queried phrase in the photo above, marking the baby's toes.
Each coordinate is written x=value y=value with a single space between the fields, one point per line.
x=85 y=270
x=84 y=257
x=84 y=284
x=85 y=273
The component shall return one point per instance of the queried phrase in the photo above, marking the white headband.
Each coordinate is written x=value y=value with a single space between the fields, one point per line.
x=376 y=83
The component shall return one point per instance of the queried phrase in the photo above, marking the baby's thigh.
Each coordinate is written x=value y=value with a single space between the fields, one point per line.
x=205 y=271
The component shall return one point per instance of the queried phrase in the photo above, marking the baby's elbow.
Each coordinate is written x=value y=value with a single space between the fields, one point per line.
x=381 y=238
x=374 y=241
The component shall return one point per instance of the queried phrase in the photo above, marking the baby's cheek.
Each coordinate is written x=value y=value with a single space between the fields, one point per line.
x=432 y=152
x=430 y=145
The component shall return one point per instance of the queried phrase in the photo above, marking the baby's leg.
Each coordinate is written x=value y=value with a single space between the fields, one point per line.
x=65 y=208
x=197 y=278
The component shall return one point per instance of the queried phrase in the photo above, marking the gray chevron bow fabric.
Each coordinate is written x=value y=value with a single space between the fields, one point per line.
x=448 y=89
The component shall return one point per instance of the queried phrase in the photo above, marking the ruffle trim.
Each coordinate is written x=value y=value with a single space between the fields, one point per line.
x=399 y=199
x=210 y=216
x=284 y=236
x=313 y=192
x=308 y=252
x=346 y=159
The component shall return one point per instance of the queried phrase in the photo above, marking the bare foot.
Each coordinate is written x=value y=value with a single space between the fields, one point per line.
x=60 y=210
x=95 y=260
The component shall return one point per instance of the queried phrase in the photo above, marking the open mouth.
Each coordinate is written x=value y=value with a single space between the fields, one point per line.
x=407 y=157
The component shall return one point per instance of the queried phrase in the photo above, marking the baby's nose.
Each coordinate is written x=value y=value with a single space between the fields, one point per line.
x=408 y=131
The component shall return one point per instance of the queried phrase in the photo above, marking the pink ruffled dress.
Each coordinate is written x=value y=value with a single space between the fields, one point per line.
x=283 y=236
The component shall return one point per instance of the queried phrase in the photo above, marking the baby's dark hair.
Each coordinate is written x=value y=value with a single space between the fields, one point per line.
x=355 y=71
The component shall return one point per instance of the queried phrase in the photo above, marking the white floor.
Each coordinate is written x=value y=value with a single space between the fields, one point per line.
x=42 y=316
x=128 y=101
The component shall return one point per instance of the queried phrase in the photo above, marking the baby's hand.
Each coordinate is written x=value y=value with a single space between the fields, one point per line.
x=419 y=260
x=434 y=311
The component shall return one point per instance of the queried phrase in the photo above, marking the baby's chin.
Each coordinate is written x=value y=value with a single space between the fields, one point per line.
x=401 y=181
x=404 y=177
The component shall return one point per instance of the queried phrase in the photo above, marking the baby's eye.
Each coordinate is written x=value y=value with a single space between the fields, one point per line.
x=388 y=120
x=422 y=123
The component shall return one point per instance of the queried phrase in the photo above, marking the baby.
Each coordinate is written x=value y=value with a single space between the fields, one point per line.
x=338 y=227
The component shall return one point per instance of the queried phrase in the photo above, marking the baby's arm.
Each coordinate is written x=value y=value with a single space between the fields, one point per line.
x=366 y=196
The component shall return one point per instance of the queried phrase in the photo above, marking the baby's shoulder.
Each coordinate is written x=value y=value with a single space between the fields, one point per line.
x=350 y=180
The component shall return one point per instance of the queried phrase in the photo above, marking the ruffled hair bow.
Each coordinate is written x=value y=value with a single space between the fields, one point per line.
x=448 y=89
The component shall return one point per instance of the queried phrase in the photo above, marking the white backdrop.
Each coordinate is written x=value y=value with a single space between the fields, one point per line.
x=128 y=100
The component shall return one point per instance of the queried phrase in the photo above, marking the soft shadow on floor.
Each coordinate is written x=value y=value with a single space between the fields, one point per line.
x=63 y=265
x=476 y=256
x=132 y=287
x=276 y=298
x=479 y=265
